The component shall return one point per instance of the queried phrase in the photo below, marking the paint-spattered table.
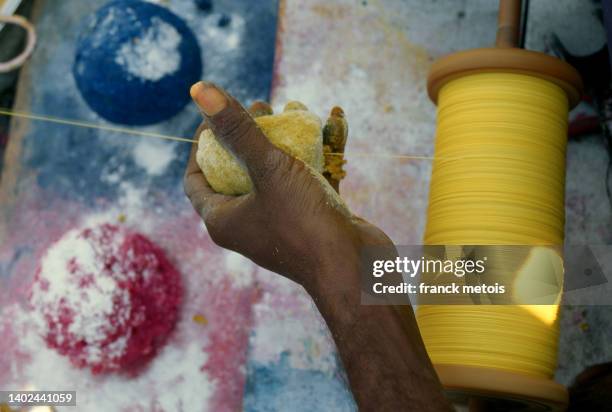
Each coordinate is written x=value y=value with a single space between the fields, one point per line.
x=257 y=343
x=57 y=177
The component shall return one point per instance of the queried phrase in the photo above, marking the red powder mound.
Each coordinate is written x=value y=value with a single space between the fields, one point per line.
x=106 y=298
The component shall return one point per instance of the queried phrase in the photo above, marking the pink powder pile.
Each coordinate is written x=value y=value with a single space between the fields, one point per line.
x=106 y=298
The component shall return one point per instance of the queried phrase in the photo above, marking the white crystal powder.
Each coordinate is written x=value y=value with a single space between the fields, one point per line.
x=154 y=55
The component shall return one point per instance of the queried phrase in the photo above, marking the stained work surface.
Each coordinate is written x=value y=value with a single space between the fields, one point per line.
x=247 y=338
x=57 y=177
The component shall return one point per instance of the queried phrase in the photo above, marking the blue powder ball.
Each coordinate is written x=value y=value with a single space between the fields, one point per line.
x=135 y=62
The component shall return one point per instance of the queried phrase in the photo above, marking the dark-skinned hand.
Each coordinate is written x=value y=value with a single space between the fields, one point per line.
x=293 y=222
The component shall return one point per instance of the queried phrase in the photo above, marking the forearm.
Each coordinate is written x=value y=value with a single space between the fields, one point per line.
x=381 y=348
x=291 y=223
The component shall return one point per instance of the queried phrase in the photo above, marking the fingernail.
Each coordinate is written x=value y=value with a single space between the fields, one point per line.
x=208 y=98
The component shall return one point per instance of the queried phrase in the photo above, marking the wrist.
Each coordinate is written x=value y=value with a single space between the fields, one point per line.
x=337 y=272
x=341 y=265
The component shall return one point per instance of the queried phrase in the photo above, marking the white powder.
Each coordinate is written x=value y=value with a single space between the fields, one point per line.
x=174 y=381
x=239 y=269
x=154 y=55
x=308 y=341
x=106 y=27
x=132 y=198
x=66 y=265
x=228 y=38
x=131 y=207
x=153 y=156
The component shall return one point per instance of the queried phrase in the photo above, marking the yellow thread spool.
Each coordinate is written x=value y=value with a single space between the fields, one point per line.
x=498 y=179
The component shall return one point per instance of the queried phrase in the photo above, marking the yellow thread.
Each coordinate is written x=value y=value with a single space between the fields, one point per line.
x=141 y=133
x=78 y=123
x=498 y=179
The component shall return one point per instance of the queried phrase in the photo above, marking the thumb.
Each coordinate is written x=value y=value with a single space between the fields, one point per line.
x=237 y=131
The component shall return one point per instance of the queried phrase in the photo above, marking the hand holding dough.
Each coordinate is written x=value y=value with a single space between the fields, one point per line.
x=296 y=131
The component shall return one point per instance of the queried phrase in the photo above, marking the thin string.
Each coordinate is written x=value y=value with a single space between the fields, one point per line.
x=507 y=133
x=141 y=133
x=78 y=123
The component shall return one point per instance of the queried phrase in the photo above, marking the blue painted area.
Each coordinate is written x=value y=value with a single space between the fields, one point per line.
x=237 y=40
x=224 y=20
x=259 y=56
x=149 y=34
x=204 y=5
x=279 y=387
x=75 y=163
x=19 y=252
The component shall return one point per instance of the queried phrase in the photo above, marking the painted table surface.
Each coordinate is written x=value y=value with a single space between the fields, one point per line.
x=264 y=346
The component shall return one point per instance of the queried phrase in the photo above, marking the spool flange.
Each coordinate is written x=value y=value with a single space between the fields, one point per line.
x=510 y=60
x=502 y=390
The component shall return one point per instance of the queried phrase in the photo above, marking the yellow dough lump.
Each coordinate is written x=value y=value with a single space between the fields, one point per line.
x=296 y=131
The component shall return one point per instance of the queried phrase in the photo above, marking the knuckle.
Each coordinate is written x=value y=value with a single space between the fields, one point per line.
x=295 y=168
x=275 y=164
x=234 y=127
x=276 y=160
